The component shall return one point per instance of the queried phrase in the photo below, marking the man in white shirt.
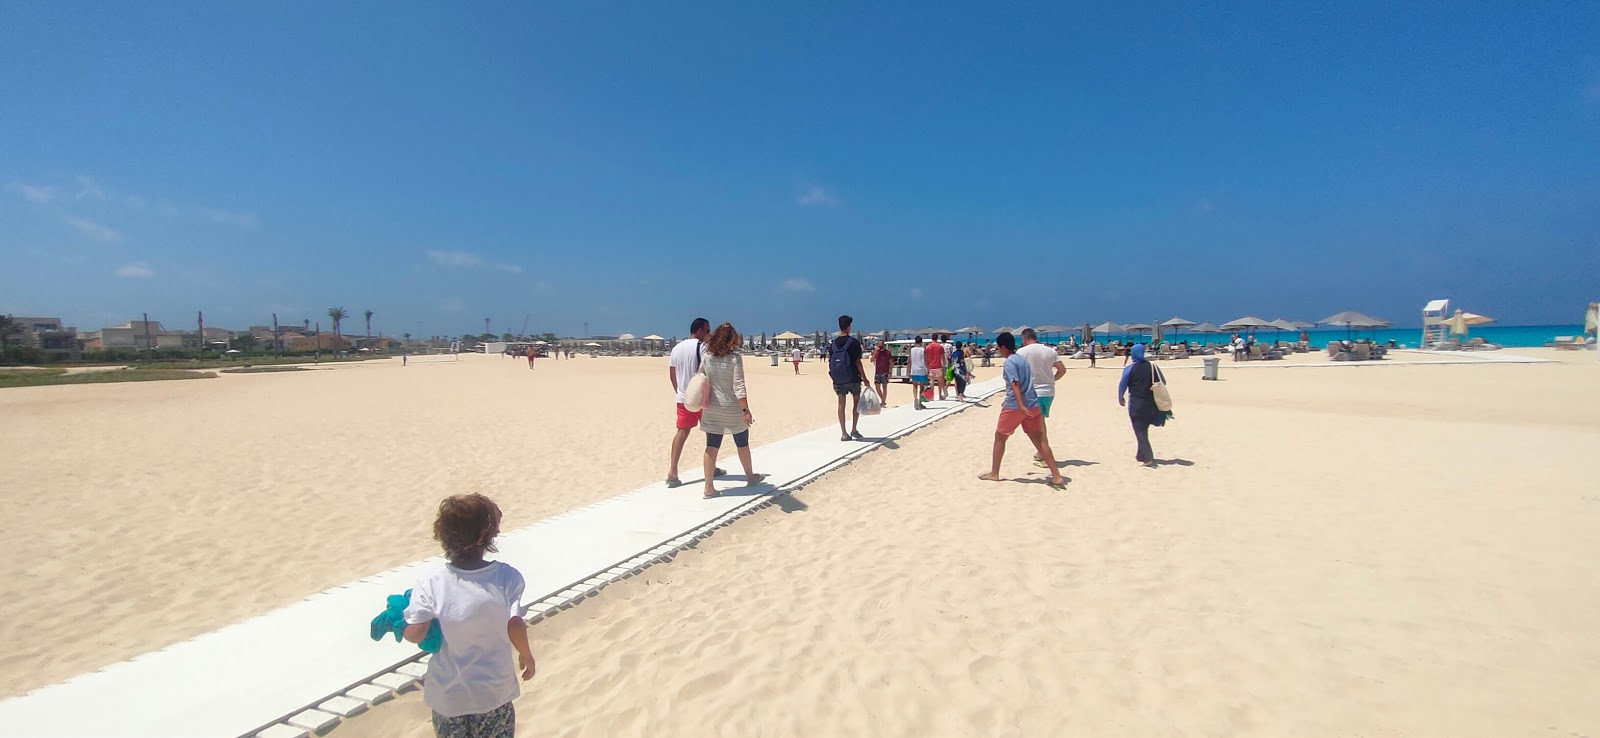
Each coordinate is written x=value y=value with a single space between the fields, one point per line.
x=918 y=369
x=1046 y=366
x=683 y=364
x=797 y=356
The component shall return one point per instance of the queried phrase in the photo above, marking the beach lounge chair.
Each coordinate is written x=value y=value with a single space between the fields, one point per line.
x=1363 y=351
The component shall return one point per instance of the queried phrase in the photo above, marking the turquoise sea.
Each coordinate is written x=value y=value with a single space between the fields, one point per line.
x=1510 y=336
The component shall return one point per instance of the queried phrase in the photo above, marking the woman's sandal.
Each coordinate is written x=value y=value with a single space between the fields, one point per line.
x=754 y=479
x=711 y=495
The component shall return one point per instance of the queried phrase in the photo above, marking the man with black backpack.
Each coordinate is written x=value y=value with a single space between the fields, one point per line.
x=848 y=375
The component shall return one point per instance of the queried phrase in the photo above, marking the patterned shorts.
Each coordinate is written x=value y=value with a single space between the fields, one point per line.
x=501 y=722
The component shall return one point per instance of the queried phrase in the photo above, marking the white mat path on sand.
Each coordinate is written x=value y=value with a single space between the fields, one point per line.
x=257 y=673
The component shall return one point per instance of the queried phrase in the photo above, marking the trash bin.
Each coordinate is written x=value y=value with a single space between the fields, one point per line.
x=774 y=359
x=1211 y=366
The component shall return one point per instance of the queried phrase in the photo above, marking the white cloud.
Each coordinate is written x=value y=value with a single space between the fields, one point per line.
x=136 y=270
x=92 y=229
x=815 y=196
x=243 y=220
x=33 y=193
x=467 y=259
x=88 y=187
x=916 y=292
x=454 y=258
x=796 y=284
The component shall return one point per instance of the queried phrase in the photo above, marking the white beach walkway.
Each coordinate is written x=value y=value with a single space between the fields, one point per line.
x=298 y=669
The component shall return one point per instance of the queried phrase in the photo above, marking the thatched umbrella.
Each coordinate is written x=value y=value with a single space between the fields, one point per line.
x=1352 y=320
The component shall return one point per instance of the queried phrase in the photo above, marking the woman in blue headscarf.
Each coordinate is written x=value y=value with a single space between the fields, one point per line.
x=1134 y=393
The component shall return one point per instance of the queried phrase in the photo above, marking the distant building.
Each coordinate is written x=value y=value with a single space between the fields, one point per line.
x=324 y=341
x=137 y=335
x=43 y=333
x=213 y=336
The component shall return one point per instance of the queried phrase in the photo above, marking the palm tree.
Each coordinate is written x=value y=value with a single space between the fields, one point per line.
x=338 y=314
x=368 y=313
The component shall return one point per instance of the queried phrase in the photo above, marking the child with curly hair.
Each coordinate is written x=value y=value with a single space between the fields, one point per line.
x=471 y=681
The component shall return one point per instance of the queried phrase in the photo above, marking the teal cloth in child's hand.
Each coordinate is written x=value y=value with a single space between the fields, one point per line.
x=393 y=620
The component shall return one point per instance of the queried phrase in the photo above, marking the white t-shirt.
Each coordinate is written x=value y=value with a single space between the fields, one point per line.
x=1042 y=362
x=474 y=670
x=919 y=361
x=685 y=360
x=797 y=355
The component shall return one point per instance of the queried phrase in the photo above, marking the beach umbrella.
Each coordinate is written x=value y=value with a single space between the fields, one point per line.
x=1138 y=327
x=1352 y=320
x=1461 y=321
x=1177 y=324
x=971 y=330
x=237 y=351
x=1247 y=323
x=1108 y=328
x=592 y=344
x=1205 y=329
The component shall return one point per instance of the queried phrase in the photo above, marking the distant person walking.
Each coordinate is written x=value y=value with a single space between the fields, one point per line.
x=882 y=367
x=1046 y=366
x=682 y=364
x=848 y=375
x=472 y=680
x=958 y=371
x=532 y=354
x=1134 y=392
x=934 y=355
x=797 y=356
x=1094 y=348
x=918 y=368
x=1021 y=408
x=727 y=410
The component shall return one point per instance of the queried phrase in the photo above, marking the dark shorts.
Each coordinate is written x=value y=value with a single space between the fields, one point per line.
x=882 y=378
x=846 y=388
x=740 y=439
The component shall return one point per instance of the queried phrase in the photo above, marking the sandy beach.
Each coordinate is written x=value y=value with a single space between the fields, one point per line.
x=1394 y=550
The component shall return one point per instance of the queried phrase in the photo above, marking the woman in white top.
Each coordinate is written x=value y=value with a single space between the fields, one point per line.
x=471 y=681
x=727 y=408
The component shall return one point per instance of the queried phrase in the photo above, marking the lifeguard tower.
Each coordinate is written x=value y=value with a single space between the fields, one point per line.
x=1434 y=315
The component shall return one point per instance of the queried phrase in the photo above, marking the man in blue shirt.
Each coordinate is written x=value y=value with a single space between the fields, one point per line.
x=1021 y=408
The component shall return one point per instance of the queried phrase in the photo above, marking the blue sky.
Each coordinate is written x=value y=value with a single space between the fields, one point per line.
x=632 y=165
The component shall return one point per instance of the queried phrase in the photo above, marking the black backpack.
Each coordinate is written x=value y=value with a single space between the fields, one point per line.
x=840 y=367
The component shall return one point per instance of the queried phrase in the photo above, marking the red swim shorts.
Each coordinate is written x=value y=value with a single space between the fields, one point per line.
x=687 y=419
x=1010 y=419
